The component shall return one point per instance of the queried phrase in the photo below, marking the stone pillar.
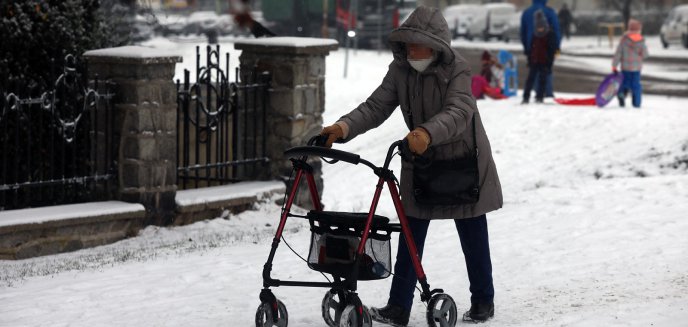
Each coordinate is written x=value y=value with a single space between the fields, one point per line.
x=145 y=125
x=296 y=96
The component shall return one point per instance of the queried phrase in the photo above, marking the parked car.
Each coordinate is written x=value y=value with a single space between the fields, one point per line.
x=497 y=18
x=202 y=22
x=142 y=28
x=460 y=19
x=513 y=29
x=675 y=27
x=171 y=24
x=486 y=21
x=225 y=24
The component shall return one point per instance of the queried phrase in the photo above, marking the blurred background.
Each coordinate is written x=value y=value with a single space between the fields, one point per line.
x=371 y=20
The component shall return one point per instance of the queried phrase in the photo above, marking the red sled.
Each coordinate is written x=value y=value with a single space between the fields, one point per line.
x=605 y=93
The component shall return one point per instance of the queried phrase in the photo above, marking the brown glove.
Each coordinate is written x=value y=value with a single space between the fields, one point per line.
x=418 y=140
x=333 y=132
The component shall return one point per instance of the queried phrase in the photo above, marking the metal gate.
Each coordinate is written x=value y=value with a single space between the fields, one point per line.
x=56 y=144
x=221 y=125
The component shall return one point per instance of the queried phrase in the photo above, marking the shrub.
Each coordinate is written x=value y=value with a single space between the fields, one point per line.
x=38 y=34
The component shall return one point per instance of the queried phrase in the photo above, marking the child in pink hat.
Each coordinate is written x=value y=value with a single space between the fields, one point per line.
x=630 y=53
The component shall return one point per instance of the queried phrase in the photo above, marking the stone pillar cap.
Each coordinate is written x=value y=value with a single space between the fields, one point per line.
x=288 y=45
x=133 y=55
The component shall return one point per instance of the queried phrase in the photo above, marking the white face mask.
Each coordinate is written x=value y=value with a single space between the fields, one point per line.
x=420 y=64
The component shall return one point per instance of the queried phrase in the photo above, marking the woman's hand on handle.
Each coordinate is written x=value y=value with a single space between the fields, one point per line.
x=333 y=133
x=418 y=140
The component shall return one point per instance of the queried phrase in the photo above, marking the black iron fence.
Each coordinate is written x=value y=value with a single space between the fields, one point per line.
x=221 y=125
x=56 y=143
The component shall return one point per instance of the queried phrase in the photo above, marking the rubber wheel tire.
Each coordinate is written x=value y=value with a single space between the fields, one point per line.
x=441 y=311
x=350 y=318
x=330 y=304
x=264 y=315
x=664 y=42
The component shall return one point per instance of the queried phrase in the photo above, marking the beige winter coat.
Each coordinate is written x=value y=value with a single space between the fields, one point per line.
x=439 y=100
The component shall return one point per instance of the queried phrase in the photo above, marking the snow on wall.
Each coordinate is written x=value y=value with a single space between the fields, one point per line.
x=226 y=192
x=69 y=211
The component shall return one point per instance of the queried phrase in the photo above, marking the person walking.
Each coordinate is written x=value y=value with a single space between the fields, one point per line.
x=565 y=20
x=431 y=83
x=540 y=58
x=630 y=54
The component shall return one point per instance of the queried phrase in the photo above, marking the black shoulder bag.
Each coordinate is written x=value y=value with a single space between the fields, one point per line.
x=447 y=182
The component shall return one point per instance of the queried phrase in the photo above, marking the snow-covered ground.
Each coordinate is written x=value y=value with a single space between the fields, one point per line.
x=592 y=233
x=584 y=52
x=583 y=45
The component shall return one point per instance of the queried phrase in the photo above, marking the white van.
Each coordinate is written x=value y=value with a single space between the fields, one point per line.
x=496 y=20
x=460 y=19
x=675 y=27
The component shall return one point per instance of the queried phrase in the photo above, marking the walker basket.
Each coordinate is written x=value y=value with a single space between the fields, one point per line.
x=335 y=236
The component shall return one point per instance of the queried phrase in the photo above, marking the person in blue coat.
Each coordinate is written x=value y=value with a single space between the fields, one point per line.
x=527 y=31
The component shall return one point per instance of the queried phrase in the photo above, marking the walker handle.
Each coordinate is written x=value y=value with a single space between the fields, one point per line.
x=319 y=151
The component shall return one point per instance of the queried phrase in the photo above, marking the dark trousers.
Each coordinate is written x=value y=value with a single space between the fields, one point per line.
x=631 y=82
x=540 y=71
x=549 y=90
x=476 y=250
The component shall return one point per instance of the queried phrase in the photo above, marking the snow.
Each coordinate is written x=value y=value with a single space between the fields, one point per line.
x=592 y=233
x=131 y=51
x=583 y=45
x=661 y=70
x=69 y=211
x=296 y=42
x=226 y=192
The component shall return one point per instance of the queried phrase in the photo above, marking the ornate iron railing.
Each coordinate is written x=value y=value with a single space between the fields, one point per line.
x=56 y=145
x=221 y=125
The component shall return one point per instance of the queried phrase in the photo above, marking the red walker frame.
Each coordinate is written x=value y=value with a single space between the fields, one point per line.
x=348 y=286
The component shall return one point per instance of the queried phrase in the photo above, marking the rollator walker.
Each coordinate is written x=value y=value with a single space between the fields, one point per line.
x=351 y=246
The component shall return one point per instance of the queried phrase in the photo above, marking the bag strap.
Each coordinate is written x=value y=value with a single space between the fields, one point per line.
x=409 y=112
x=475 y=139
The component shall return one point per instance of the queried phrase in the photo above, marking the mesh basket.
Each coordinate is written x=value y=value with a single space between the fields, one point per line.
x=334 y=244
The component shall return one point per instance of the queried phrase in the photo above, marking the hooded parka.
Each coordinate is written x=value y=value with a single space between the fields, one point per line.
x=528 y=24
x=439 y=100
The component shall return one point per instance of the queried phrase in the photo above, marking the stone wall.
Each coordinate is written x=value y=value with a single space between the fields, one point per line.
x=145 y=113
x=296 y=96
x=27 y=233
x=145 y=135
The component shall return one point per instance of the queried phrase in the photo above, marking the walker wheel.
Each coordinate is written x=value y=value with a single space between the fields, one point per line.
x=332 y=307
x=264 y=315
x=350 y=317
x=441 y=311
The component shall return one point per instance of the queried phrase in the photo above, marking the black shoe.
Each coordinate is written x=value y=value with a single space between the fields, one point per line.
x=479 y=312
x=539 y=101
x=622 y=99
x=525 y=101
x=391 y=314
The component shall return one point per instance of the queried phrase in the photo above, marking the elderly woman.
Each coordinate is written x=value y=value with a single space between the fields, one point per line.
x=431 y=83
